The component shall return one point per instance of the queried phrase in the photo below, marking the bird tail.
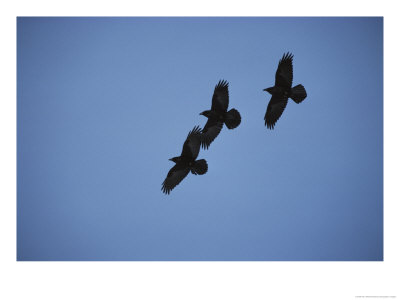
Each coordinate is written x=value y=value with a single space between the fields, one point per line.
x=232 y=119
x=298 y=93
x=200 y=167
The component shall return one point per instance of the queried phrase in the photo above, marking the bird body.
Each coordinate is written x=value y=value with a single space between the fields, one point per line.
x=186 y=162
x=223 y=117
x=219 y=115
x=282 y=91
x=278 y=90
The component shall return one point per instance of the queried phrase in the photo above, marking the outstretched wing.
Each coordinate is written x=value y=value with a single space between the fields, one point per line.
x=220 y=99
x=275 y=108
x=174 y=177
x=191 y=147
x=284 y=73
x=210 y=132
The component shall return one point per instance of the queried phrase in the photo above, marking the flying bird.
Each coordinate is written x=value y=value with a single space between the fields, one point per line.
x=282 y=91
x=186 y=162
x=219 y=114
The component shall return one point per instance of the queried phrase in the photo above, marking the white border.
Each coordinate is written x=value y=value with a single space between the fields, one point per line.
x=196 y=280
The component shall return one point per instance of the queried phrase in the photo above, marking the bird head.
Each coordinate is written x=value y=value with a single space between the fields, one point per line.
x=269 y=90
x=175 y=159
x=205 y=113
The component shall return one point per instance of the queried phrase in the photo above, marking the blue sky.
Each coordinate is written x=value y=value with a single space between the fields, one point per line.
x=103 y=103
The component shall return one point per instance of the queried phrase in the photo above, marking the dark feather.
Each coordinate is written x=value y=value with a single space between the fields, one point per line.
x=174 y=177
x=232 y=119
x=284 y=73
x=298 y=93
x=210 y=132
x=275 y=108
x=220 y=99
x=200 y=167
x=191 y=147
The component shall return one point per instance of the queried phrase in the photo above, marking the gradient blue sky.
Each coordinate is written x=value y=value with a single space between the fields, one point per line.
x=103 y=103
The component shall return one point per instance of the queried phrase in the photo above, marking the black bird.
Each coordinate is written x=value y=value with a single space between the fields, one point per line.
x=186 y=162
x=218 y=115
x=282 y=91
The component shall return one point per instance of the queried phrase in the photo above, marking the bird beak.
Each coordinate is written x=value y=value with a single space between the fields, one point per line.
x=265 y=90
x=170 y=159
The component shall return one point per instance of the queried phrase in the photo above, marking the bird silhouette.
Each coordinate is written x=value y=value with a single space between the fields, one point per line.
x=282 y=91
x=186 y=162
x=219 y=114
